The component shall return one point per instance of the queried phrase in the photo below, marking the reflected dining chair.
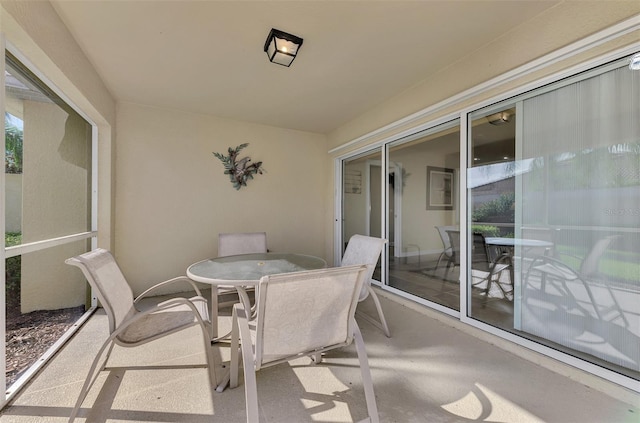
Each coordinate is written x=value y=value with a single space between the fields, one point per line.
x=489 y=266
x=446 y=243
x=453 y=259
x=299 y=314
x=129 y=327
x=555 y=269
x=366 y=250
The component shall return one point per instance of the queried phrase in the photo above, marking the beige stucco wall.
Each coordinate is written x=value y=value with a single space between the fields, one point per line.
x=172 y=198
x=55 y=183
x=13 y=195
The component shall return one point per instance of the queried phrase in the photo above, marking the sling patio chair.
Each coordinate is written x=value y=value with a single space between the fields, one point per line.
x=486 y=266
x=567 y=278
x=366 y=250
x=129 y=327
x=447 y=251
x=231 y=244
x=299 y=314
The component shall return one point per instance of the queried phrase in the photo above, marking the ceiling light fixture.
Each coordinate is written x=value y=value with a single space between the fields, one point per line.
x=499 y=118
x=281 y=47
x=634 y=62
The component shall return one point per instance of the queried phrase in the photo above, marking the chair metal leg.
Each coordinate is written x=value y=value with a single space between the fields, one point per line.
x=92 y=376
x=213 y=379
x=382 y=324
x=235 y=349
x=367 y=381
x=439 y=260
x=250 y=383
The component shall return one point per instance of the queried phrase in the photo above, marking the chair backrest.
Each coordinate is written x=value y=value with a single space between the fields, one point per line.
x=589 y=265
x=481 y=255
x=108 y=283
x=442 y=231
x=454 y=242
x=303 y=312
x=231 y=244
x=363 y=250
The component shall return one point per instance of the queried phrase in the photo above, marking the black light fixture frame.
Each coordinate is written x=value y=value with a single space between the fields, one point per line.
x=276 y=33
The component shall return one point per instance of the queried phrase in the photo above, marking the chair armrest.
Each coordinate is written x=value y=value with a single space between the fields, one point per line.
x=560 y=267
x=168 y=282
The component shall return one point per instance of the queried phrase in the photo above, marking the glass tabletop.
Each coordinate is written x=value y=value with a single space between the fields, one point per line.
x=251 y=267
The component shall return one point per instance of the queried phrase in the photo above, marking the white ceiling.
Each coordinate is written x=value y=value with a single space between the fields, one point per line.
x=207 y=56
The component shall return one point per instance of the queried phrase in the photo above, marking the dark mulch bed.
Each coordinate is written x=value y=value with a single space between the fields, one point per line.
x=30 y=335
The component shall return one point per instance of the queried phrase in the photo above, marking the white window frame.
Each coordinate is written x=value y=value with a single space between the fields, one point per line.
x=7 y=252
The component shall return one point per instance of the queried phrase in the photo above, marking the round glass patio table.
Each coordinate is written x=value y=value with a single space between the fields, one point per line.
x=245 y=270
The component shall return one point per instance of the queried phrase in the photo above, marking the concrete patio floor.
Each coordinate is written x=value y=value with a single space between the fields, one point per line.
x=433 y=369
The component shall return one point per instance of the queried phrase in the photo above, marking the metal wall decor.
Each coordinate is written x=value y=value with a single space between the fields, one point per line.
x=239 y=170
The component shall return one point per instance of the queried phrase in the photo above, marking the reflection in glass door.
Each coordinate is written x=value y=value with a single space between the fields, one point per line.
x=423 y=203
x=362 y=198
x=554 y=184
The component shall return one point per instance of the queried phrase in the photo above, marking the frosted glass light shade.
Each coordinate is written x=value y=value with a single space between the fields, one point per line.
x=282 y=48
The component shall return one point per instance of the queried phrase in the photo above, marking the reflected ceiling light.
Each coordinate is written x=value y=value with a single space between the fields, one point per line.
x=499 y=118
x=634 y=62
x=281 y=47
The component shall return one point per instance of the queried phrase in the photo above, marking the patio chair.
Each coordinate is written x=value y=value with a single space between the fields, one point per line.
x=482 y=260
x=557 y=270
x=489 y=261
x=453 y=259
x=129 y=327
x=231 y=244
x=446 y=243
x=366 y=250
x=299 y=314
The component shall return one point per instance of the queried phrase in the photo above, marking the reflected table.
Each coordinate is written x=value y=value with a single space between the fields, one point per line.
x=517 y=242
x=507 y=245
x=245 y=270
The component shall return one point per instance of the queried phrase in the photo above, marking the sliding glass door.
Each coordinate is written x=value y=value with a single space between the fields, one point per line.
x=362 y=198
x=558 y=201
x=551 y=251
x=422 y=206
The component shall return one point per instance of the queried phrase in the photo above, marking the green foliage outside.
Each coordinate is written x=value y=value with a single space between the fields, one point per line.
x=13 y=137
x=12 y=238
x=616 y=265
x=486 y=230
x=499 y=210
x=13 y=271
